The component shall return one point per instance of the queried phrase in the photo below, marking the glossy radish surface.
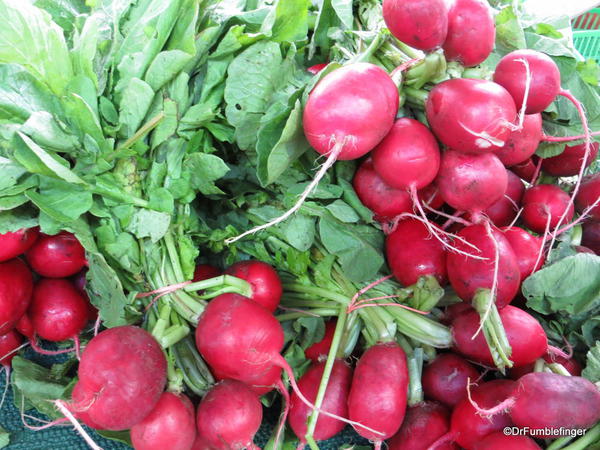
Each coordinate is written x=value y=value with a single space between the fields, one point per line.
x=320 y=350
x=9 y=342
x=543 y=206
x=445 y=378
x=591 y=236
x=16 y=287
x=568 y=163
x=504 y=210
x=527 y=249
x=588 y=195
x=57 y=256
x=13 y=244
x=263 y=279
x=522 y=143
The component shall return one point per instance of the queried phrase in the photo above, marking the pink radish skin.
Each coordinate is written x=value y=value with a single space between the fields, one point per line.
x=471 y=32
x=16 y=287
x=471 y=182
x=545 y=204
x=568 y=163
x=56 y=256
x=201 y=444
x=379 y=389
x=265 y=283
x=9 y=342
x=527 y=248
x=412 y=253
x=467 y=274
x=501 y=441
x=511 y=73
x=422 y=24
x=522 y=143
x=408 y=157
x=504 y=210
x=589 y=193
x=471 y=116
x=524 y=333
x=229 y=416
x=423 y=424
x=336 y=401
x=25 y=327
x=320 y=350
x=57 y=311
x=122 y=374
x=468 y=426
x=13 y=244
x=591 y=236
x=526 y=170
x=445 y=378
x=332 y=116
x=171 y=424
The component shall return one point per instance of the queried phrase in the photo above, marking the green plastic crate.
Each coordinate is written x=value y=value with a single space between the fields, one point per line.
x=586 y=34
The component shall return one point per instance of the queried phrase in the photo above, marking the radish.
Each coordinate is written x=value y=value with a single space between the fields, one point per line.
x=527 y=249
x=16 y=287
x=569 y=162
x=57 y=256
x=412 y=253
x=229 y=416
x=337 y=127
x=205 y=271
x=453 y=311
x=423 y=424
x=527 y=169
x=589 y=196
x=25 y=327
x=316 y=68
x=445 y=379
x=320 y=350
x=430 y=196
x=522 y=143
x=471 y=32
x=9 y=343
x=591 y=236
x=525 y=336
x=543 y=207
x=501 y=441
x=379 y=391
x=171 y=424
x=422 y=24
x=570 y=364
x=122 y=375
x=467 y=426
x=471 y=182
x=264 y=281
x=335 y=401
x=202 y=444
x=505 y=210
x=13 y=244
x=470 y=115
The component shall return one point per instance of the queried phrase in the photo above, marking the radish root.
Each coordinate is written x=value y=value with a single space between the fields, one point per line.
x=86 y=437
x=489 y=412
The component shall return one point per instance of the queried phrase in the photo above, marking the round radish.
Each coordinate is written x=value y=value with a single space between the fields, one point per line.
x=378 y=394
x=568 y=163
x=470 y=115
x=504 y=210
x=501 y=441
x=13 y=244
x=25 y=327
x=263 y=279
x=544 y=84
x=412 y=253
x=527 y=249
x=205 y=271
x=471 y=32
x=171 y=424
x=16 y=287
x=422 y=24
x=423 y=424
x=229 y=416
x=522 y=143
x=430 y=195
x=320 y=350
x=9 y=343
x=589 y=193
x=591 y=236
x=56 y=256
x=543 y=205
x=445 y=378
x=527 y=169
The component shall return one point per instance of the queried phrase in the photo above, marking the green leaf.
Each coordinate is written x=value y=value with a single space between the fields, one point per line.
x=11 y=172
x=288 y=21
x=17 y=219
x=592 y=365
x=62 y=201
x=106 y=291
x=12 y=202
x=148 y=223
x=204 y=170
x=46 y=132
x=4 y=438
x=119 y=436
x=299 y=232
x=64 y=12
x=509 y=33
x=135 y=103
x=343 y=212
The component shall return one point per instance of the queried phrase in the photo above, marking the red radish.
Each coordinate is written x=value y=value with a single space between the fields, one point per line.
x=453 y=311
x=122 y=375
x=589 y=194
x=16 y=287
x=229 y=416
x=263 y=279
x=430 y=195
x=9 y=343
x=201 y=444
x=591 y=236
x=569 y=162
x=423 y=424
x=582 y=249
x=504 y=211
x=543 y=206
x=468 y=426
x=171 y=424
x=527 y=169
x=526 y=248
x=412 y=253
x=320 y=349
x=525 y=336
x=571 y=365
x=13 y=244
x=501 y=441
x=25 y=327
x=205 y=271
x=470 y=115
x=445 y=379
x=379 y=389
x=336 y=398
x=471 y=32
x=56 y=256
x=522 y=143
x=80 y=281
x=467 y=274
x=422 y=24
x=471 y=182
x=529 y=69
x=316 y=68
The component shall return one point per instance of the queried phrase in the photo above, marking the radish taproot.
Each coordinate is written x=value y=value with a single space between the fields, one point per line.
x=263 y=279
x=505 y=210
x=445 y=379
x=424 y=423
x=569 y=162
x=57 y=256
x=543 y=207
x=521 y=143
x=13 y=244
x=16 y=288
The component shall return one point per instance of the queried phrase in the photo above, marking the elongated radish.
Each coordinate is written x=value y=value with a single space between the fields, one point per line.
x=13 y=244
x=571 y=365
x=264 y=281
x=57 y=256
x=569 y=162
x=527 y=249
x=320 y=350
x=470 y=115
x=543 y=207
x=423 y=424
x=502 y=441
x=522 y=143
x=589 y=195
x=505 y=210
x=16 y=287
x=422 y=24
x=445 y=379
x=336 y=127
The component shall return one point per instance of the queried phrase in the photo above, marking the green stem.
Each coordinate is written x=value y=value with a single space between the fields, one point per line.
x=370 y=50
x=591 y=436
x=415 y=96
x=119 y=196
x=139 y=134
x=427 y=292
x=420 y=328
x=173 y=335
x=174 y=257
x=559 y=443
x=415 y=369
x=242 y=286
x=301 y=288
x=311 y=313
x=407 y=50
